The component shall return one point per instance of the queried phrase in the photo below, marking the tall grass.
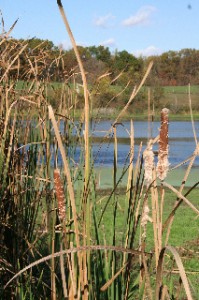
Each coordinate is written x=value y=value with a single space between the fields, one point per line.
x=59 y=238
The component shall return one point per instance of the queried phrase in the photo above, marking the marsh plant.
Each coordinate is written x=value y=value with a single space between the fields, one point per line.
x=61 y=237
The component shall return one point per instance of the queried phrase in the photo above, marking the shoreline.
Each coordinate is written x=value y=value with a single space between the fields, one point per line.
x=104 y=177
x=144 y=117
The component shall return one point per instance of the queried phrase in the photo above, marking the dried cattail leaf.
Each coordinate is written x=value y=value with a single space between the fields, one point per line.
x=59 y=191
x=163 y=163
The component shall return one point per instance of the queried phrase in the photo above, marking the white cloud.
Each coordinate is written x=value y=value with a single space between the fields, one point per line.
x=150 y=50
x=103 y=21
x=108 y=43
x=142 y=17
x=65 y=45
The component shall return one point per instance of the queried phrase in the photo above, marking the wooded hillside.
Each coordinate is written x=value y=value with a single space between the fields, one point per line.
x=170 y=68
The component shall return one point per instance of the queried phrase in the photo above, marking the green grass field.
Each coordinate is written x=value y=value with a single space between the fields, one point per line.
x=181 y=89
x=185 y=228
x=184 y=232
x=104 y=177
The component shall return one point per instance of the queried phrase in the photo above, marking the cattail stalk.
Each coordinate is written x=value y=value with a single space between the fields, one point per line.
x=163 y=163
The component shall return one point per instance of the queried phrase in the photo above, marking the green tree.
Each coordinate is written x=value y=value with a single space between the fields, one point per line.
x=125 y=61
x=101 y=53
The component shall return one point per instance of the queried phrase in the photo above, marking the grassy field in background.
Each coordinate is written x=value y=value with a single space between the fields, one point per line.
x=185 y=228
x=184 y=234
x=173 y=97
x=181 y=89
x=20 y=84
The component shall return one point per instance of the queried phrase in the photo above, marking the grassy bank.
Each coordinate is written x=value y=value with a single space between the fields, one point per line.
x=183 y=116
x=104 y=177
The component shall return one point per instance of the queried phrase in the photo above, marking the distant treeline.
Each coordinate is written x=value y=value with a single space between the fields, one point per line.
x=56 y=64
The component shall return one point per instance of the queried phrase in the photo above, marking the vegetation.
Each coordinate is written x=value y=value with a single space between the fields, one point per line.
x=172 y=71
x=172 y=68
x=60 y=238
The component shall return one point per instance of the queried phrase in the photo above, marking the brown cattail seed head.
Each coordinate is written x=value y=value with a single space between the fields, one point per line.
x=163 y=163
x=59 y=191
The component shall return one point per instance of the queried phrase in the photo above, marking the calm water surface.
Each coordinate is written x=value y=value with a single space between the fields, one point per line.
x=181 y=141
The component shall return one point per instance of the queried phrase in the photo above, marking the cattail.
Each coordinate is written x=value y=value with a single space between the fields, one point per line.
x=163 y=163
x=148 y=156
x=59 y=191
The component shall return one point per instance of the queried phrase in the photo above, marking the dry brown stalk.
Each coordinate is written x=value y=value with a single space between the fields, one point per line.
x=191 y=114
x=86 y=135
x=163 y=163
x=165 y=293
x=6 y=35
x=85 y=87
x=148 y=289
x=59 y=191
x=131 y=156
x=155 y=217
x=53 y=276
x=7 y=120
x=12 y=62
x=63 y=276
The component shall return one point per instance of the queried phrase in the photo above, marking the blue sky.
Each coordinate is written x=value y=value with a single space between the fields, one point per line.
x=140 y=27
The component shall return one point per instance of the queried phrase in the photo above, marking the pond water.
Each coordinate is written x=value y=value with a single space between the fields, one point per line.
x=181 y=147
x=181 y=141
